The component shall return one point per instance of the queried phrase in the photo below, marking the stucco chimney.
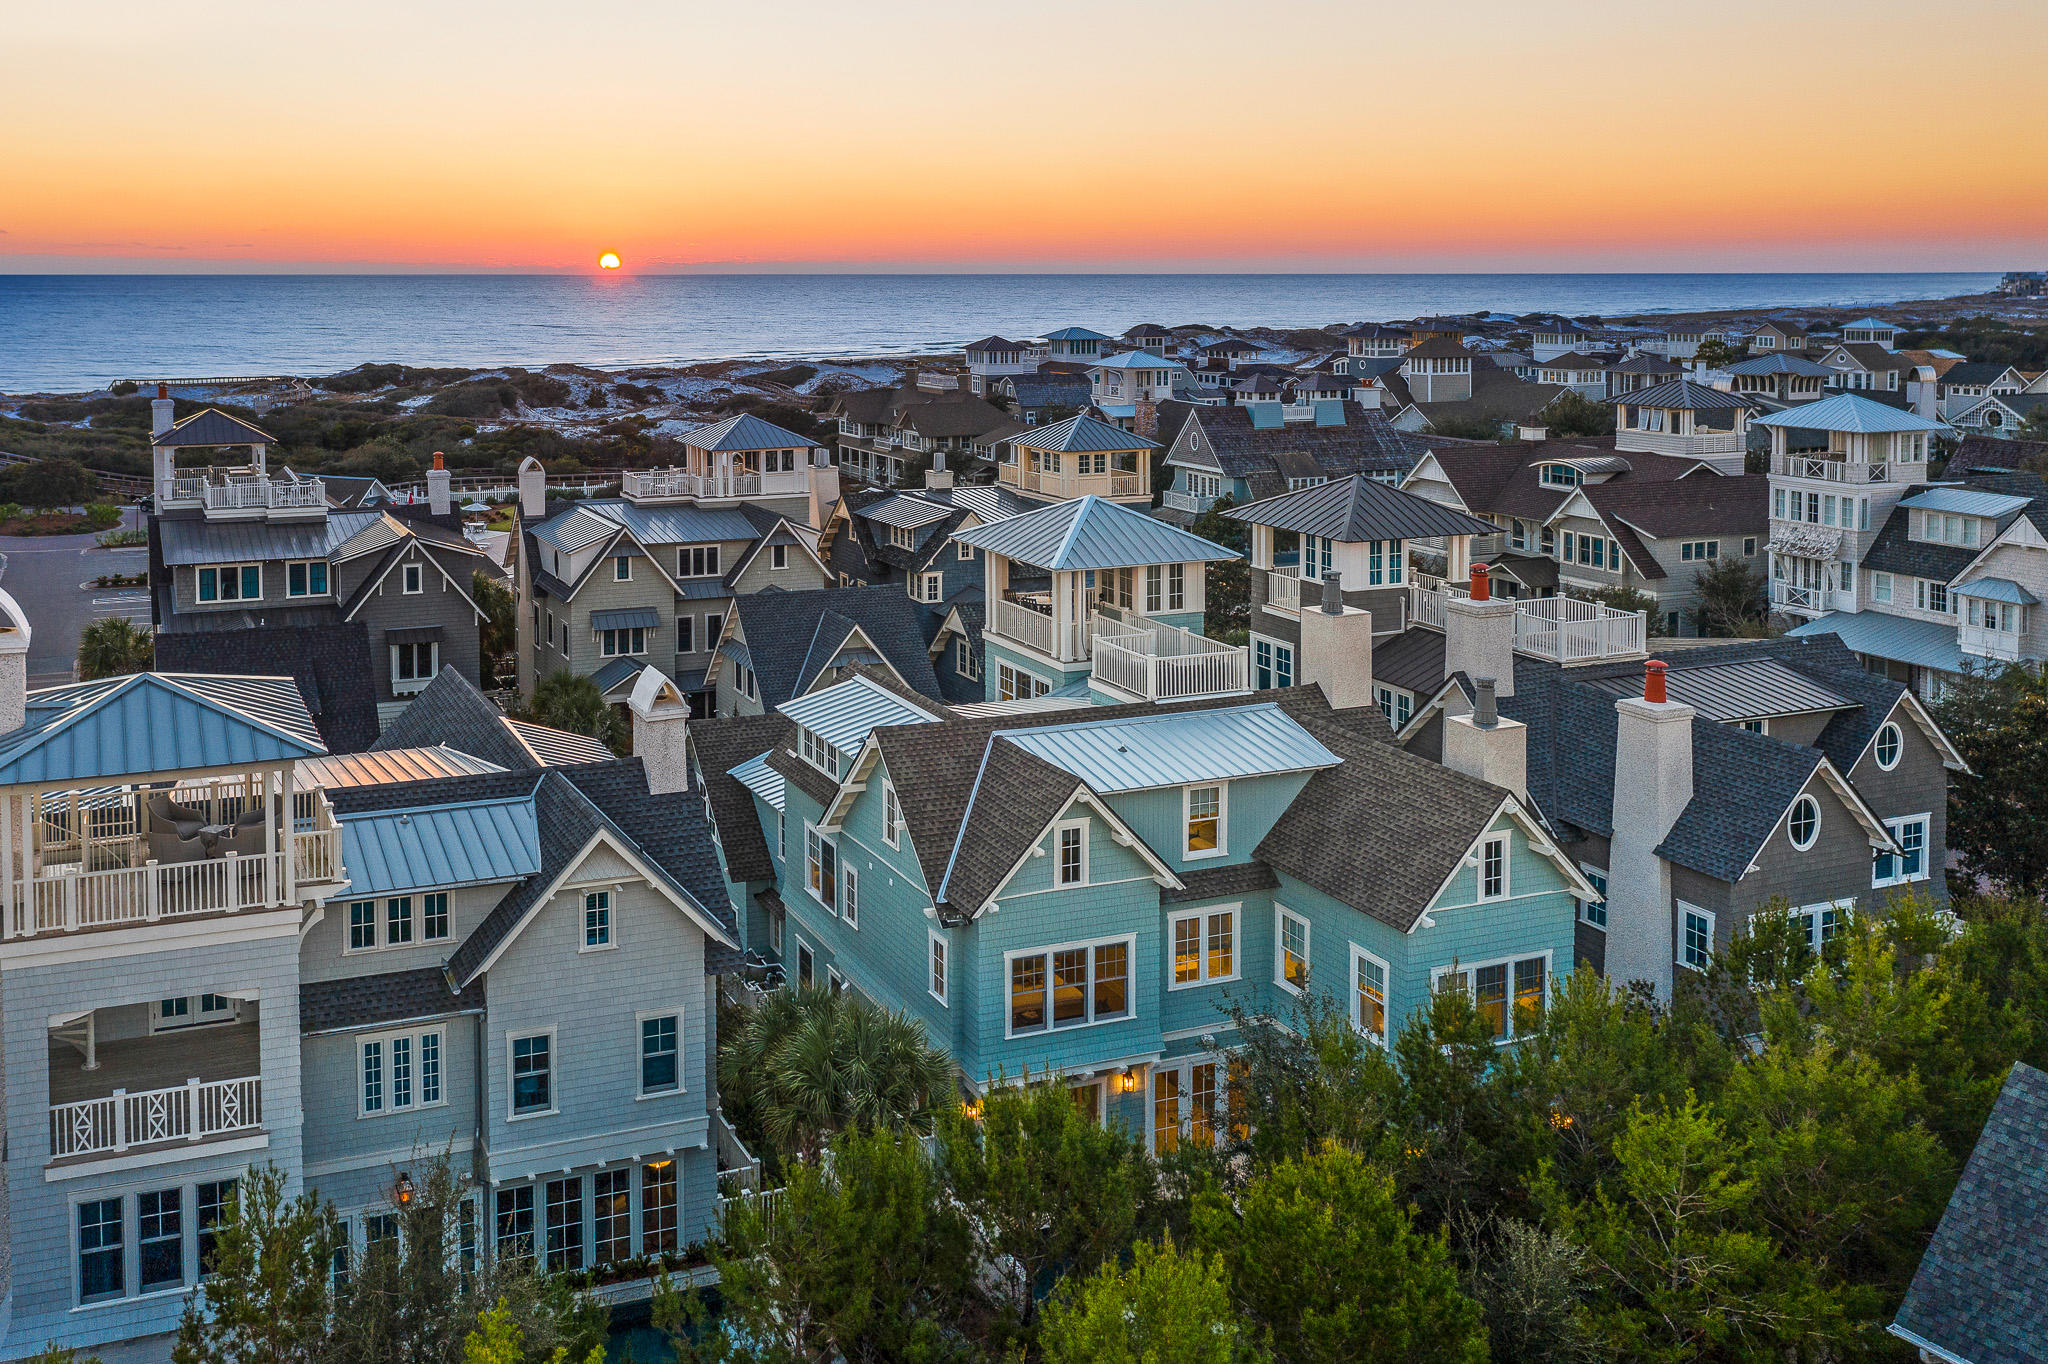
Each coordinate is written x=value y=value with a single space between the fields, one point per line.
x=14 y=641
x=938 y=476
x=661 y=724
x=1652 y=787
x=1487 y=745
x=533 y=489
x=823 y=490
x=1479 y=634
x=439 y=502
x=162 y=411
x=1336 y=648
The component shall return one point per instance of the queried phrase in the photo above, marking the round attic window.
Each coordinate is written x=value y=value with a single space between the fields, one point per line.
x=1804 y=823
x=1890 y=744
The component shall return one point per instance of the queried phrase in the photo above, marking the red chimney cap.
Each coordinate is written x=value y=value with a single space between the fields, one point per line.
x=163 y=390
x=437 y=459
x=1653 y=681
x=1482 y=586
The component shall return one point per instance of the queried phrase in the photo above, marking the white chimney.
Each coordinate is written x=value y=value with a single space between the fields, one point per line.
x=1479 y=634
x=163 y=460
x=661 y=724
x=1336 y=648
x=533 y=489
x=1652 y=787
x=1487 y=745
x=163 y=413
x=824 y=491
x=439 y=502
x=938 y=476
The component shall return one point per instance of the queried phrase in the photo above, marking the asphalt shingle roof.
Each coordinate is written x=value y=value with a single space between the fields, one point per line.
x=720 y=746
x=1981 y=1292
x=1364 y=443
x=450 y=711
x=213 y=427
x=783 y=630
x=387 y=997
x=331 y=664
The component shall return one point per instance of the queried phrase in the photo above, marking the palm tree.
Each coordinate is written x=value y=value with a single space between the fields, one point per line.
x=810 y=1062
x=568 y=701
x=113 y=646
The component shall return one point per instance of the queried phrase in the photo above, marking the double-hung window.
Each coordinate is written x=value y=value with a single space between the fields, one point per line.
x=1272 y=663
x=413 y=664
x=1290 y=950
x=660 y=1056
x=434 y=916
x=159 y=1239
x=1166 y=588
x=936 y=944
x=306 y=578
x=1696 y=940
x=1070 y=986
x=849 y=894
x=622 y=568
x=531 y=1057
x=564 y=1209
x=611 y=1215
x=1369 y=995
x=412 y=580
x=892 y=816
x=658 y=1207
x=1493 y=867
x=1202 y=819
x=1397 y=706
x=597 y=920
x=399 y=1071
x=1508 y=994
x=686 y=642
x=821 y=868
x=362 y=925
x=811 y=746
x=966 y=662
x=697 y=561
x=1910 y=862
x=231 y=582
x=215 y=1203
x=515 y=1222
x=1594 y=912
x=1072 y=839
x=101 y=1254
x=1204 y=947
x=398 y=921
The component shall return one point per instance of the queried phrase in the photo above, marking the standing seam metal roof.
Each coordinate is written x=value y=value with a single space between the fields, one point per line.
x=157 y=722
x=1730 y=692
x=1175 y=749
x=745 y=432
x=1081 y=432
x=1966 y=502
x=1849 y=412
x=1090 y=533
x=1357 y=509
x=449 y=845
x=843 y=714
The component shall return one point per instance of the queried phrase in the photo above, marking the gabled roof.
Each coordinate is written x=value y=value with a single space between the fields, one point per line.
x=1175 y=748
x=1357 y=509
x=331 y=663
x=387 y=852
x=1090 y=533
x=1980 y=1295
x=789 y=639
x=213 y=427
x=449 y=710
x=1966 y=501
x=1849 y=412
x=744 y=432
x=146 y=723
x=1081 y=432
x=844 y=713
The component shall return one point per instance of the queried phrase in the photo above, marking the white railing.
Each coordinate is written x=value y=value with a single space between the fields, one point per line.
x=65 y=899
x=1709 y=442
x=192 y=1111
x=1836 y=470
x=1160 y=662
x=666 y=483
x=241 y=494
x=1036 y=630
x=661 y=483
x=1567 y=630
x=1112 y=483
x=767 y=1201
x=1186 y=502
x=1425 y=606
x=1283 y=589
x=1796 y=597
x=1984 y=643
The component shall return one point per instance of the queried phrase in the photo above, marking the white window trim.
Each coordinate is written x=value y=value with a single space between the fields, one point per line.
x=1201 y=917
x=1891 y=826
x=380 y=924
x=939 y=952
x=1222 y=848
x=778 y=557
x=622 y=561
x=1877 y=746
x=611 y=921
x=1281 y=914
x=218 y=569
x=1802 y=799
x=1130 y=1013
x=1359 y=954
x=390 y=1110
x=307 y=564
x=554 y=1073
x=408 y=574
x=1471 y=972
x=1059 y=852
x=1592 y=871
x=1678 y=957
x=1507 y=852
x=892 y=816
x=682 y=1084
x=199 y=1018
x=849 y=892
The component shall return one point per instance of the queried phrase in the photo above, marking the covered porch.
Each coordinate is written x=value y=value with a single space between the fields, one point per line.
x=175 y=1071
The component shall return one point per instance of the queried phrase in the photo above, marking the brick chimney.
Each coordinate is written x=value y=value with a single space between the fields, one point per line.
x=439 y=501
x=1336 y=648
x=1652 y=787
x=533 y=489
x=1479 y=634
x=661 y=725
x=1487 y=745
x=1146 y=420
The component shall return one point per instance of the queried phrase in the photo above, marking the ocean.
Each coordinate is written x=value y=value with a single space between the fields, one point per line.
x=63 y=333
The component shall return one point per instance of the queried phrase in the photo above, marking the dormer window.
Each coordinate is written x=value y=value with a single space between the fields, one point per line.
x=1559 y=476
x=819 y=754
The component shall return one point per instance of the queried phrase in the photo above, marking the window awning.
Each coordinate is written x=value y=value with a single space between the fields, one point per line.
x=1806 y=542
x=632 y=618
x=1996 y=589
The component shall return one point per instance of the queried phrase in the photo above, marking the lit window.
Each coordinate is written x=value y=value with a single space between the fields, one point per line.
x=1369 y=995
x=1204 y=947
x=1089 y=983
x=1508 y=994
x=658 y=1207
x=1290 y=944
x=1204 y=821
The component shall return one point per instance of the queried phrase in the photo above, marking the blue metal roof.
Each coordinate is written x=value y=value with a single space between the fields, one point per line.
x=843 y=713
x=905 y=511
x=429 y=847
x=1138 y=359
x=626 y=618
x=1779 y=362
x=1996 y=589
x=616 y=673
x=1966 y=502
x=1081 y=432
x=1924 y=643
x=1850 y=412
x=681 y=524
x=157 y=722
x=1075 y=334
x=1089 y=533
x=744 y=432
x=1176 y=748
x=764 y=781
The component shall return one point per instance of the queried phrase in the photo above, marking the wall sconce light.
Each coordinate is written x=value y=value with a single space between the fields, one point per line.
x=402 y=1191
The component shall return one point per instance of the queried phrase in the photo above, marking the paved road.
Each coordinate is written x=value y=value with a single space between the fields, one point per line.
x=49 y=575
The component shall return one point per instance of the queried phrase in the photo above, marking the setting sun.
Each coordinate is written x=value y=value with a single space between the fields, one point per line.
x=608 y=261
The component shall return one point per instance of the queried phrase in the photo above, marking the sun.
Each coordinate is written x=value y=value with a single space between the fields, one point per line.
x=609 y=261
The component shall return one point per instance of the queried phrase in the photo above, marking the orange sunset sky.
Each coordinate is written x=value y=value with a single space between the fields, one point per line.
x=1459 y=134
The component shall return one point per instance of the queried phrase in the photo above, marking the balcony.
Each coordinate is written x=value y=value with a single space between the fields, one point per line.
x=1155 y=662
x=1029 y=622
x=1982 y=642
x=1561 y=629
x=1116 y=484
x=1283 y=590
x=1790 y=596
x=122 y=1104
x=675 y=485
x=1192 y=503
x=1682 y=444
x=120 y=858
x=1834 y=469
x=234 y=494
